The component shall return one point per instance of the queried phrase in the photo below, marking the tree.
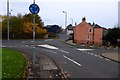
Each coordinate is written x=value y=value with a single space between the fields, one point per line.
x=112 y=36
x=22 y=26
x=28 y=24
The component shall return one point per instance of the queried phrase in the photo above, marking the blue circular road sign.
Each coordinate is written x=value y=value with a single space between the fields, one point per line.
x=34 y=8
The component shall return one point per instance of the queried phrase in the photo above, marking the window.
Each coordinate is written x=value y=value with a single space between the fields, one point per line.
x=88 y=37
x=90 y=30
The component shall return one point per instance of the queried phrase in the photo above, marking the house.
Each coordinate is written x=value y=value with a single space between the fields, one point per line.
x=83 y=33
x=53 y=28
x=70 y=29
x=86 y=33
x=69 y=32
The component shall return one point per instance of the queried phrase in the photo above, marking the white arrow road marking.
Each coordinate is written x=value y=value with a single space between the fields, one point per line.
x=47 y=46
x=72 y=60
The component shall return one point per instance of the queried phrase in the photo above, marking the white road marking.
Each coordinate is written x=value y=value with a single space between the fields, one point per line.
x=85 y=49
x=100 y=57
x=91 y=46
x=48 y=39
x=49 y=51
x=26 y=45
x=47 y=46
x=3 y=46
x=95 y=55
x=82 y=45
x=91 y=53
x=64 y=51
x=31 y=45
x=107 y=59
x=72 y=60
x=88 y=53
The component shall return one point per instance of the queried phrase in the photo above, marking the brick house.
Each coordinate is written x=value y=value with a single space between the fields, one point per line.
x=85 y=33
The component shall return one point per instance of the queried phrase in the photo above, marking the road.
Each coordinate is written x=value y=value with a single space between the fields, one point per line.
x=76 y=61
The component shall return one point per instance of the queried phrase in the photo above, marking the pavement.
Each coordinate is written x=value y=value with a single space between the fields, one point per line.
x=44 y=67
x=112 y=56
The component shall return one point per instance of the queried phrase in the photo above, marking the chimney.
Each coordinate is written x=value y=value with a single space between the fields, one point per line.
x=83 y=19
x=75 y=23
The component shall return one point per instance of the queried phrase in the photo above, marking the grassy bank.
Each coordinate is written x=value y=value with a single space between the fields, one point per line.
x=13 y=64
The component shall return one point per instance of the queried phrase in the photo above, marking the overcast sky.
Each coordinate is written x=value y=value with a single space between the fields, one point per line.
x=102 y=12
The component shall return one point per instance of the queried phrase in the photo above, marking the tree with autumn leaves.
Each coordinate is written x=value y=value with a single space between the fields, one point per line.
x=22 y=26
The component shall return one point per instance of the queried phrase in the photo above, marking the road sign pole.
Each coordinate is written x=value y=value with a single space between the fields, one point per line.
x=34 y=56
x=34 y=9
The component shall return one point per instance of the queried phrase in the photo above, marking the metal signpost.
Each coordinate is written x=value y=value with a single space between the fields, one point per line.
x=34 y=9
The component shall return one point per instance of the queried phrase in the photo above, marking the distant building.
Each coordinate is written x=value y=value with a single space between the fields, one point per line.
x=53 y=28
x=70 y=29
x=85 y=33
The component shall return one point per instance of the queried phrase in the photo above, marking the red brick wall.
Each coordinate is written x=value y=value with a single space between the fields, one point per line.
x=98 y=34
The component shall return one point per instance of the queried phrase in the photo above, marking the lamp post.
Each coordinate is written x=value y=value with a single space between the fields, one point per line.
x=10 y=15
x=65 y=18
x=8 y=20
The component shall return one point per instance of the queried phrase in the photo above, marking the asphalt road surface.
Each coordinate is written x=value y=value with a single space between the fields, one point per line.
x=76 y=61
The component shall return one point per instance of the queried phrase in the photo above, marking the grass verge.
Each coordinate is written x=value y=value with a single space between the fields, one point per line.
x=13 y=64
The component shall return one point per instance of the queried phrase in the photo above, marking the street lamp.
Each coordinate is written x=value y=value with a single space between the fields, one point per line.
x=65 y=19
x=8 y=20
x=10 y=12
x=10 y=15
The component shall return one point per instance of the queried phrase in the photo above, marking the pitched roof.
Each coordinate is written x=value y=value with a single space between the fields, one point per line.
x=84 y=24
x=97 y=26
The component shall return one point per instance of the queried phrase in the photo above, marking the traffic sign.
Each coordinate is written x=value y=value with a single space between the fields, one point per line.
x=34 y=8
